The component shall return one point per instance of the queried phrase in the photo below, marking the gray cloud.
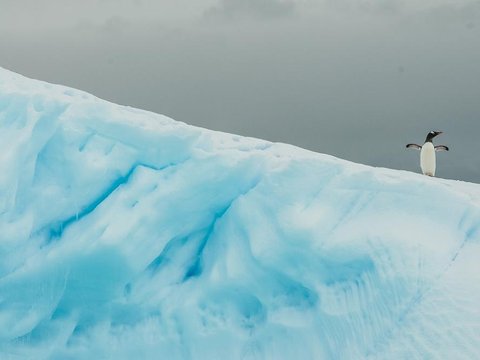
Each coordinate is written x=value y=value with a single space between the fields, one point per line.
x=231 y=9
x=466 y=13
x=368 y=6
x=116 y=24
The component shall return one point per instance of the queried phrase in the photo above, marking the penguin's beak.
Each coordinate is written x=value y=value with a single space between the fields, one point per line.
x=438 y=133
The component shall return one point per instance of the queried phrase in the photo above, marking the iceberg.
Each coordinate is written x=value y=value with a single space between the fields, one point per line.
x=128 y=235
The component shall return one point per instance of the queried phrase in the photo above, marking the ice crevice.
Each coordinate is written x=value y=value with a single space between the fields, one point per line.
x=56 y=230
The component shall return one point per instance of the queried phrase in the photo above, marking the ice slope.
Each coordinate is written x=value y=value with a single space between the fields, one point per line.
x=127 y=235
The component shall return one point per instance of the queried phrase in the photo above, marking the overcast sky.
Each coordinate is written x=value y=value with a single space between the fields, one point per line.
x=357 y=79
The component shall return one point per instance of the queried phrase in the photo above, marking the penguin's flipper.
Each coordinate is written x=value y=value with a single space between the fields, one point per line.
x=441 y=148
x=413 y=146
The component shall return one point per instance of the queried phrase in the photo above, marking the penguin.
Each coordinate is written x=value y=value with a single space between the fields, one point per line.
x=427 y=153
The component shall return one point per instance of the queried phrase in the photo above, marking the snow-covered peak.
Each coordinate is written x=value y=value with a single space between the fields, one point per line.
x=126 y=234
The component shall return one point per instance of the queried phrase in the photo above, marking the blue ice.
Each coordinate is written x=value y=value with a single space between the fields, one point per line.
x=128 y=235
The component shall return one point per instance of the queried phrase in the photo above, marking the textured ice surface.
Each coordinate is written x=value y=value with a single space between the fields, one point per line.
x=127 y=235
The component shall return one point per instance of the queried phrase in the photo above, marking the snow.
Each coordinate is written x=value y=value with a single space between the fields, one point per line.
x=127 y=235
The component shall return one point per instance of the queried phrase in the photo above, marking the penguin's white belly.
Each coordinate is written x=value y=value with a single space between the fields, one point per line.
x=427 y=159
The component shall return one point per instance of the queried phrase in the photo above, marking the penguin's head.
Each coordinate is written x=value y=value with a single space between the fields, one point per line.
x=432 y=134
